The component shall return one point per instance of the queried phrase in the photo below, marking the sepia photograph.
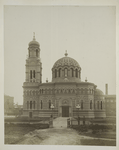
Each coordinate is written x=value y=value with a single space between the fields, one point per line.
x=60 y=75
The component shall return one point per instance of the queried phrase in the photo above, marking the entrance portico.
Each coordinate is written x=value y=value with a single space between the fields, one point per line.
x=65 y=108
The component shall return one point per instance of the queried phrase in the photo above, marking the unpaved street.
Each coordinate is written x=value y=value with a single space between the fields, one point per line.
x=58 y=135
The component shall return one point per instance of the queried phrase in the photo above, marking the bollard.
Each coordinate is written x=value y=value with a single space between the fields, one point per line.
x=78 y=121
x=68 y=122
x=83 y=120
x=51 y=123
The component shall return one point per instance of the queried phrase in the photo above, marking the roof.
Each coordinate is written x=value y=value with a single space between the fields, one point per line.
x=66 y=61
x=98 y=92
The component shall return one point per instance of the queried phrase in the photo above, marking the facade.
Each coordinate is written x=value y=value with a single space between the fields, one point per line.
x=8 y=105
x=64 y=92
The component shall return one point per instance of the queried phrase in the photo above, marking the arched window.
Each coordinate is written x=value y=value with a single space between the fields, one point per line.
x=60 y=72
x=81 y=104
x=36 y=53
x=30 y=104
x=34 y=74
x=55 y=73
x=30 y=74
x=49 y=104
x=34 y=104
x=72 y=73
x=101 y=104
x=92 y=91
x=41 y=104
x=90 y=104
x=65 y=71
x=27 y=105
x=76 y=73
x=97 y=104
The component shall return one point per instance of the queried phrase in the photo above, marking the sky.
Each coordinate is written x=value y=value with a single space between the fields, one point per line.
x=88 y=33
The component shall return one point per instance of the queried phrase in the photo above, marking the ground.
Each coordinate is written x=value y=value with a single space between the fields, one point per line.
x=61 y=135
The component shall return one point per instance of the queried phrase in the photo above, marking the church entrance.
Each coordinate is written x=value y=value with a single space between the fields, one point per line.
x=30 y=114
x=65 y=111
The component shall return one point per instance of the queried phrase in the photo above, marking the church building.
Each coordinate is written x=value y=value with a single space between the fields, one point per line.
x=65 y=96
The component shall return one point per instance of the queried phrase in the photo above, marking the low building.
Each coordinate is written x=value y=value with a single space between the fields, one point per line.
x=110 y=104
x=8 y=105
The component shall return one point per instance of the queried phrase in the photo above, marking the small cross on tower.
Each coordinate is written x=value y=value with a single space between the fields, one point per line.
x=34 y=36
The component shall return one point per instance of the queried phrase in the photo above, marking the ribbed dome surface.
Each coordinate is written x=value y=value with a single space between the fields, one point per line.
x=98 y=92
x=66 y=61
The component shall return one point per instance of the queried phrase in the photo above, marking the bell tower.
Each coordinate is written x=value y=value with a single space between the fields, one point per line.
x=33 y=62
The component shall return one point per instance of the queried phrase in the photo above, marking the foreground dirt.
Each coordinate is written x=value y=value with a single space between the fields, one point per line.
x=61 y=135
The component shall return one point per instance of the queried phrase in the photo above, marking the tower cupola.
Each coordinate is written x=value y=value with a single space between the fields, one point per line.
x=33 y=62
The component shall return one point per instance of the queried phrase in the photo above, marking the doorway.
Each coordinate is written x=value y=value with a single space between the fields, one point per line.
x=30 y=114
x=65 y=111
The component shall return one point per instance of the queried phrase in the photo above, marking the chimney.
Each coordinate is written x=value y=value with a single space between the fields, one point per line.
x=106 y=89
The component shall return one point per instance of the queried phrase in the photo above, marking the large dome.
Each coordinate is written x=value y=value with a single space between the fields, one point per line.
x=66 y=69
x=66 y=61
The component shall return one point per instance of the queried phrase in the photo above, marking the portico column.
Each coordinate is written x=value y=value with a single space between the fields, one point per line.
x=74 y=73
x=78 y=74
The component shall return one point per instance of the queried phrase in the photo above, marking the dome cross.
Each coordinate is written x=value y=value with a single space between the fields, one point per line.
x=66 y=53
x=34 y=36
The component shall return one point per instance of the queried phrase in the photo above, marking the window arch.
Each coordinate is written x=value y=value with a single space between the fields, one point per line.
x=72 y=73
x=65 y=71
x=76 y=73
x=59 y=72
x=41 y=104
x=49 y=104
x=97 y=104
x=90 y=104
x=81 y=104
x=92 y=91
x=30 y=74
x=55 y=73
x=101 y=104
x=36 y=53
x=30 y=104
